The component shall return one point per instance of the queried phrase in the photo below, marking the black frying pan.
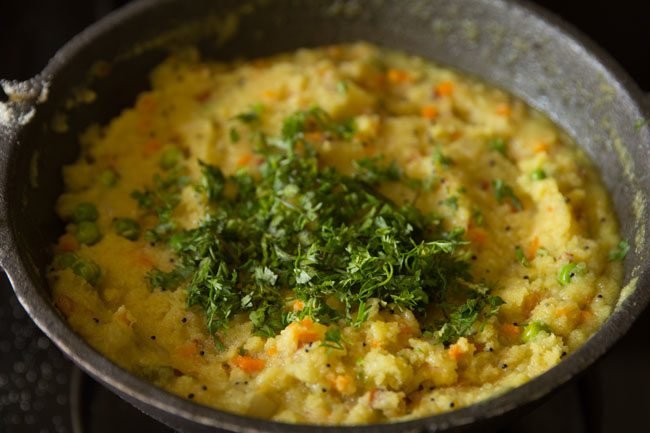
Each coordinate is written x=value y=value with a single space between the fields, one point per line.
x=513 y=45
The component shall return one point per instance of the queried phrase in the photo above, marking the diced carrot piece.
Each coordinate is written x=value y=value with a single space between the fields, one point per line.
x=335 y=51
x=532 y=248
x=510 y=329
x=272 y=351
x=271 y=94
x=244 y=159
x=146 y=104
x=541 y=147
x=65 y=305
x=429 y=112
x=68 y=243
x=477 y=235
x=150 y=147
x=397 y=76
x=298 y=305
x=444 y=88
x=188 y=350
x=305 y=337
x=561 y=312
x=342 y=383
x=248 y=363
x=313 y=136
x=203 y=96
x=503 y=110
x=455 y=351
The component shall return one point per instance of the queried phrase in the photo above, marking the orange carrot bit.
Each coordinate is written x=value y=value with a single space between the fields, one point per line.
x=342 y=383
x=562 y=312
x=335 y=51
x=532 y=248
x=144 y=260
x=150 y=147
x=397 y=76
x=503 y=110
x=550 y=209
x=146 y=104
x=204 y=96
x=429 y=112
x=307 y=322
x=444 y=88
x=271 y=94
x=510 y=329
x=244 y=159
x=68 y=243
x=303 y=336
x=298 y=305
x=272 y=351
x=188 y=350
x=314 y=136
x=477 y=235
x=65 y=305
x=248 y=363
x=585 y=315
x=455 y=351
x=541 y=147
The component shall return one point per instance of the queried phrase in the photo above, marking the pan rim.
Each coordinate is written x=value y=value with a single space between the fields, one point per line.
x=40 y=310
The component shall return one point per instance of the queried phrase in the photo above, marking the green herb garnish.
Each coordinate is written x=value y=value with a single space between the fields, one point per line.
x=620 y=252
x=521 y=258
x=498 y=144
x=252 y=115
x=538 y=174
x=297 y=230
x=503 y=191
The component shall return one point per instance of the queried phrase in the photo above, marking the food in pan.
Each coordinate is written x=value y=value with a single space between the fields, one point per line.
x=339 y=235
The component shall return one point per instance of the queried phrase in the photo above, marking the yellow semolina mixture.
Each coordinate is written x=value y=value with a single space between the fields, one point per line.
x=340 y=235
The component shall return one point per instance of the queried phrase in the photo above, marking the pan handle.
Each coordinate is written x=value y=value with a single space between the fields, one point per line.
x=18 y=102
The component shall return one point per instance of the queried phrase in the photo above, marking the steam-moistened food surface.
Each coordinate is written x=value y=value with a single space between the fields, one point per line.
x=338 y=235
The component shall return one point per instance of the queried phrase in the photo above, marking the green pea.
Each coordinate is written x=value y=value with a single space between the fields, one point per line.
x=170 y=157
x=538 y=174
x=85 y=212
x=532 y=329
x=65 y=260
x=127 y=228
x=88 y=270
x=108 y=178
x=88 y=233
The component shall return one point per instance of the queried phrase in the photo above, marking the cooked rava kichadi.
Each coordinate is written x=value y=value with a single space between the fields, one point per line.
x=338 y=235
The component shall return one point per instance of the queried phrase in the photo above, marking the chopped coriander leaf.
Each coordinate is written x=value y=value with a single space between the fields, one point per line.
x=640 y=123
x=503 y=191
x=478 y=218
x=234 y=135
x=342 y=87
x=373 y=171
x=308 y=232
x=538 y=174
x=620 y=252
x=498 y=144
x=521 y=258
x=333 y=339
x=440 y=158
x=169 y=157
x=452 y=202
x=252 y=115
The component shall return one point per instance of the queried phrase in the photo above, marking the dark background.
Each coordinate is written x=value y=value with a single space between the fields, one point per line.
x=614 y=396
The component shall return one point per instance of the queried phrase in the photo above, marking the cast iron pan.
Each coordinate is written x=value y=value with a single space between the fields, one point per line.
x=513 y=45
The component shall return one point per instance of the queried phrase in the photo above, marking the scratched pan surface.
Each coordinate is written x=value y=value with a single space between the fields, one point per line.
x=512 y=45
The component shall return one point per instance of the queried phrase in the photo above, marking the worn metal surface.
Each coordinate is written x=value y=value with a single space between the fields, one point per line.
x=514 y=46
